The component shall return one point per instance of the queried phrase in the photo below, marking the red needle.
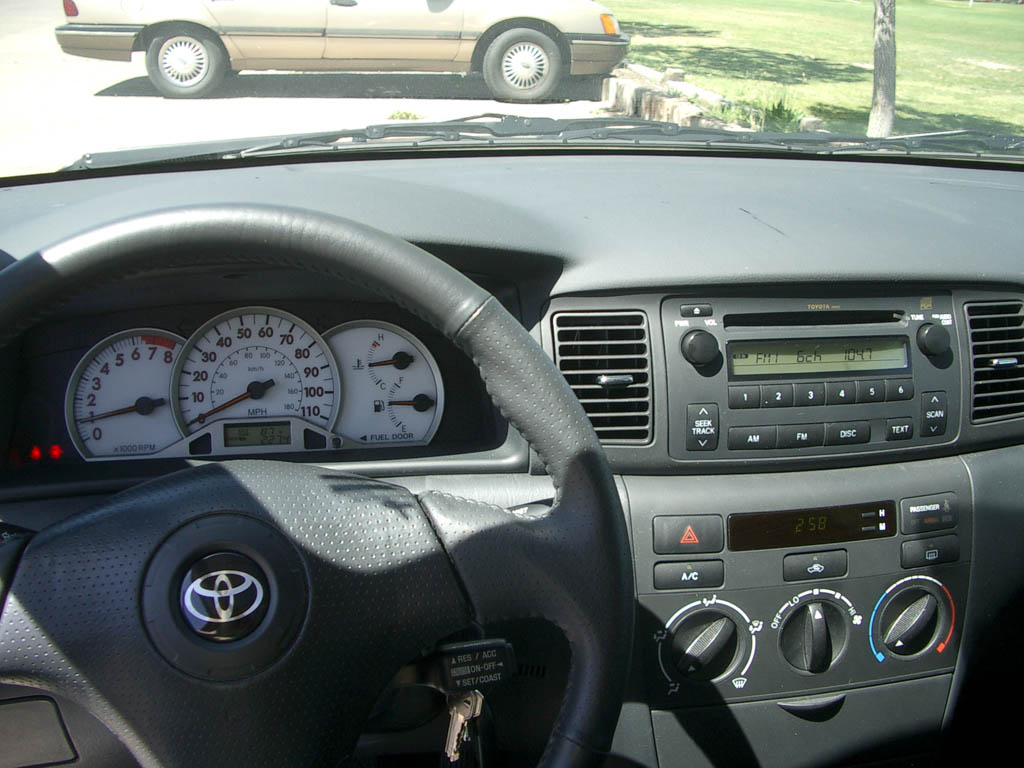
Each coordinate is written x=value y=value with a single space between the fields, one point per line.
x=143 y=405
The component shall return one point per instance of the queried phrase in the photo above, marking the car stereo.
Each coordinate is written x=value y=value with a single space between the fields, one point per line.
x=790 y=377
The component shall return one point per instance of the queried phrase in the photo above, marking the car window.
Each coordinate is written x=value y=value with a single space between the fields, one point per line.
x=90 y=77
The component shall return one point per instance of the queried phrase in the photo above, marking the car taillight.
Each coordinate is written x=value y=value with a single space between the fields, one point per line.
x=611 y=27
x=70 y=9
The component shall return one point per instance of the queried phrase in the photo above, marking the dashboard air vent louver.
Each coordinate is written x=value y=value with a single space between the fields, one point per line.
x=606 y=358
x=997 y=360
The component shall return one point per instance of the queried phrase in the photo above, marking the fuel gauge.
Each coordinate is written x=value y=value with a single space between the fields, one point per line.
x=392 y=388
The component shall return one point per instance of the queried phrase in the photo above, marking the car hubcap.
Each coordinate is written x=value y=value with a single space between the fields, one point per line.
x=184 y=61
x=525 y=65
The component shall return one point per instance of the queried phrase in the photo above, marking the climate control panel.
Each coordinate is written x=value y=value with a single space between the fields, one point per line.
x=741 y=604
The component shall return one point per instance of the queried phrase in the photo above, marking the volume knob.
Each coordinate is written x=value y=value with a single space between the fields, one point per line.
x=933 y=339
x=700 y=348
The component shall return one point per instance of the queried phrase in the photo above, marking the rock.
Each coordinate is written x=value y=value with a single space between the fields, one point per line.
x=674 y=73
x=809 y=123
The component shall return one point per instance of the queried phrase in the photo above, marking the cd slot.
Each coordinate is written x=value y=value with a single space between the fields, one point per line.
x=831 y=318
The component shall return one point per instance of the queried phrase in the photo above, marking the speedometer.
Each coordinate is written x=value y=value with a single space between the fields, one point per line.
x=253 y=364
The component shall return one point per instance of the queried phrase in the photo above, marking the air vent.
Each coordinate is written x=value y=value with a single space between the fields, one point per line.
x=997 y=360
x=606 y=358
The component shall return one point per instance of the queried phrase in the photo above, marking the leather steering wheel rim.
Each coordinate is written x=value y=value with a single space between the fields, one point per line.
x=570 y=566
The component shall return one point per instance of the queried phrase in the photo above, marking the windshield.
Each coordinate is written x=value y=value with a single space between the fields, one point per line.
x=80 y=79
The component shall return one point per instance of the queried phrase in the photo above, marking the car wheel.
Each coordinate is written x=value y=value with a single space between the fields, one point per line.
x=186 y=65
x=522 y=65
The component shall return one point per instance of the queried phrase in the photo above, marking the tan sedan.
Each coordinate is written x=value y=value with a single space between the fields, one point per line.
x=523 y=48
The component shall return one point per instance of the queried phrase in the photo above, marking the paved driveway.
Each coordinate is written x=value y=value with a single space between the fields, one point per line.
x=57 y=107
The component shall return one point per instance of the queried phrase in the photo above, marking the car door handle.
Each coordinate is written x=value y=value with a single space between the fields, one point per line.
x=346 y=3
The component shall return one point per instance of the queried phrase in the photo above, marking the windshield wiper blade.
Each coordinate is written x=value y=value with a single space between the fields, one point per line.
x=960 y=142
x=495 y=128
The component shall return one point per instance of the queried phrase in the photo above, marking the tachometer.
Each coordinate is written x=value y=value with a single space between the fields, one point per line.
x=393 y=388
x=117 y=403
x=255 y=363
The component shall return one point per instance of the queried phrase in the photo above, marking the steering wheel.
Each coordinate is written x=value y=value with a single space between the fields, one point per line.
x=355 y=577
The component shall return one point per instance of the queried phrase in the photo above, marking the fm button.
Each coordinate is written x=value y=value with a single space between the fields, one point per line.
x=701 y=427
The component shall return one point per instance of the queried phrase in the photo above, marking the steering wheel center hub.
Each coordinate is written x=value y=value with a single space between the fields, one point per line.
x=224 y=597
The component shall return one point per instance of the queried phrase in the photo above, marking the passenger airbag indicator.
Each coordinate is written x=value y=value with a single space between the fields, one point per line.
x=800 y=527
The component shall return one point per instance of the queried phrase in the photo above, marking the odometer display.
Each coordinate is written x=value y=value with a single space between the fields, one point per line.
x=256 y=363
x=257 y=433
x=817 y=356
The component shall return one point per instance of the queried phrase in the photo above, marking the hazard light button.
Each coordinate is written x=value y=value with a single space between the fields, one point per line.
x=688 y=534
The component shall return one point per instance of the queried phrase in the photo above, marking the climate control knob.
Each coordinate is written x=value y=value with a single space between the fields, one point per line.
x=813 y=636
x=700 y=348
x=704 y=645
x=910 y=622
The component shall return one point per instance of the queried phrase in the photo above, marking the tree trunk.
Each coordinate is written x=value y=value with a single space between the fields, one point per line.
x=883 y=96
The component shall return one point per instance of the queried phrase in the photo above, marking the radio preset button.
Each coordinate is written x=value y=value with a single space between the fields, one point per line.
x=871 y=391
x=899 y=389
x=847 y=432
x=899 y=429
x=745 y=397
x=801 y=435
x=688 y=534
x=777 y=395
x=840 y=392
x=809 y=394
x=934 y=414
x=701 y=426
x=697 y=574
x=752 y=438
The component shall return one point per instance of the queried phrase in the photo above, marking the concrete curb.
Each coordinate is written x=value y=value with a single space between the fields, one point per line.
x=635 y=99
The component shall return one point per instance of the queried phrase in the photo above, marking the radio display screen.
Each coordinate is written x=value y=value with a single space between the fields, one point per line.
x=801 y=527
x=817 y=356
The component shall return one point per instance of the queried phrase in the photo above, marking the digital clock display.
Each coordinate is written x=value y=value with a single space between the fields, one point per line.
x=257 y=433
x=817 y=356
x=801 y=527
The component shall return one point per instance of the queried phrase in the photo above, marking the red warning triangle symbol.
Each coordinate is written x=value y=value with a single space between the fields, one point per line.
x=689 y=537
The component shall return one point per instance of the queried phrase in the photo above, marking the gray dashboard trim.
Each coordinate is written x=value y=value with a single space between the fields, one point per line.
x=676 y=221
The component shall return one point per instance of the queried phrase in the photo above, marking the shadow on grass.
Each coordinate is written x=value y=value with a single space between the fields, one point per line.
x=910 y=120
x=644 y=29
x=355 y=85
x=747 y=63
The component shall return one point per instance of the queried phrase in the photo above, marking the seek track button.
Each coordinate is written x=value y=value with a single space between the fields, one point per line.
x=701 y=426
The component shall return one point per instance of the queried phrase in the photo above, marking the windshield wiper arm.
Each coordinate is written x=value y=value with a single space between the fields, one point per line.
x=965 y=141
x=493 y=128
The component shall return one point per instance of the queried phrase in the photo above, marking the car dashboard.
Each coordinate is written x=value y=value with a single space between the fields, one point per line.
x=804 y=373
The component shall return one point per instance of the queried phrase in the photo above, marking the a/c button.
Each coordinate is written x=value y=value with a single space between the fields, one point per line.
x=698 y=574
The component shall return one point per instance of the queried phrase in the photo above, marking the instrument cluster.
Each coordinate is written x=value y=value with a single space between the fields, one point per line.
x=253 y=380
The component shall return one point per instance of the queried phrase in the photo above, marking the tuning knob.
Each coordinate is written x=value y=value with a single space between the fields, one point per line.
x=704 y=645
x=933 y=339
x=910 y=622
x=700 y=348
x=813 y=636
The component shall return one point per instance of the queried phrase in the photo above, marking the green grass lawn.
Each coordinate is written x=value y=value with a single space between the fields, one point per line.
x=957 y=66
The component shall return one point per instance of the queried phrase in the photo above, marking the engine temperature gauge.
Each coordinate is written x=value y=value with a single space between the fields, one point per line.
x=392 y=386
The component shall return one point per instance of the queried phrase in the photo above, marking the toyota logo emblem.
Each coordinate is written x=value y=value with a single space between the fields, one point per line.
x=221 y=587
x=224 y=597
